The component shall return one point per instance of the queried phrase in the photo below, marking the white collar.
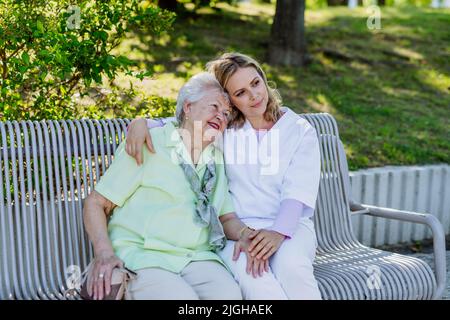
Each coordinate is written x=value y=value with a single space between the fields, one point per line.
x=287 y=117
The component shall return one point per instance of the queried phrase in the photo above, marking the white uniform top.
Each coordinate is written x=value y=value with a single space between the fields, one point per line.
x=284 y=165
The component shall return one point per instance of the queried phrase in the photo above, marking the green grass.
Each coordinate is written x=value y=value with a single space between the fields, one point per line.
x=391 y=98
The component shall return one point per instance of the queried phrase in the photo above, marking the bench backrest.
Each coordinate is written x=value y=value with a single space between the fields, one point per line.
x=332 y=215
x=49 y=167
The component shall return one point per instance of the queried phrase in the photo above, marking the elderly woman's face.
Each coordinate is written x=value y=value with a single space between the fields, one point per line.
x=210 y=114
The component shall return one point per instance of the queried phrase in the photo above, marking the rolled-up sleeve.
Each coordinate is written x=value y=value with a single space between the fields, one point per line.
x=160 y=122
x=302 y=177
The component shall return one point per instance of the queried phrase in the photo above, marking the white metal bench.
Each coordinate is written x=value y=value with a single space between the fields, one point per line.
x=49 y=167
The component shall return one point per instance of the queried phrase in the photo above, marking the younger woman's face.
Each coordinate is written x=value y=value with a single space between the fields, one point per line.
x=248 y=92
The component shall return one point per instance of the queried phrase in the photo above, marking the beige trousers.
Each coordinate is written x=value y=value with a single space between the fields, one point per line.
x=199 y=280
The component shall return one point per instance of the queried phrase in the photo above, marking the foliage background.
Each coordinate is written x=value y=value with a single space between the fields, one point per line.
x=389 y=89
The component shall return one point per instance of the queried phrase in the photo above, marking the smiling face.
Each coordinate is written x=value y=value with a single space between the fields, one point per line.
x=209 y=115
x=248 y=92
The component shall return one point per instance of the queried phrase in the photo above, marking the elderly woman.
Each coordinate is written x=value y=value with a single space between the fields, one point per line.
x=167 y=217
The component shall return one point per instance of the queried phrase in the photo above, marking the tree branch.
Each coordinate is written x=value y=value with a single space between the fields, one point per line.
x=4 y=66
x=74 y=79
x=16 y=51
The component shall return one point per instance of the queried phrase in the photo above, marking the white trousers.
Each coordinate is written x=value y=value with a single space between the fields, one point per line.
x=290 y=274
x=204 y=280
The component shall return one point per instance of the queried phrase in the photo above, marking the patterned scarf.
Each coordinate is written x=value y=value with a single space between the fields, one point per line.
x=206 y=214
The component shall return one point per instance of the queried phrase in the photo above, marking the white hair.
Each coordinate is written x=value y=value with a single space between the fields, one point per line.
x=195 y=89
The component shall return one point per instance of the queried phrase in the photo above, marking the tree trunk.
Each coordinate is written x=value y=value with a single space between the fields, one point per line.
x=170 y=5
x=381 y=2
x=331 y=3
x=288 y=43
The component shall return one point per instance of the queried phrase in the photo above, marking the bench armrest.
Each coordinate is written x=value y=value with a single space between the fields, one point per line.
x=422 y=218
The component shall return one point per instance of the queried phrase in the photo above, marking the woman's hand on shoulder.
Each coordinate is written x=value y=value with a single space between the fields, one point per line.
x=137 y=136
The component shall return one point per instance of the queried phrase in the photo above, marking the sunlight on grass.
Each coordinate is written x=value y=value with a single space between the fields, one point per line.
x=288 y=79
x=399 y=92
x=163 y=40
x=182 y=41
x=165 y=85
x=435 y=79
x=251 y=9
x=321 y=104
x=134 y=48
x=364 y=68
x=323 y=16
x=400 y=30
x=317 y=17
x=408 y=53
x=326 y=62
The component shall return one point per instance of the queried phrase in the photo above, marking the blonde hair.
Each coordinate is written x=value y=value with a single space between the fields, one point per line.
x=225 y=66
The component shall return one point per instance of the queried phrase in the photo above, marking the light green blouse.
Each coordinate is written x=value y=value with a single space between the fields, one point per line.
x=153 y=224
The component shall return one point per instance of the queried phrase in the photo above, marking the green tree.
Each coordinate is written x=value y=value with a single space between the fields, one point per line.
x=51 y=49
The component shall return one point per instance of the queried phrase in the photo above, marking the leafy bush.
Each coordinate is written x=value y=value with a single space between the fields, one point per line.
x=50 y=50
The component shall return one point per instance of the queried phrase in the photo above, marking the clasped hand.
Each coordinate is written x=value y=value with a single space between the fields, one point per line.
x=259 y=246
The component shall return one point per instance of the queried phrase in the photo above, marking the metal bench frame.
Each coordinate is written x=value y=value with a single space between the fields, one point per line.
x=49 y=167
